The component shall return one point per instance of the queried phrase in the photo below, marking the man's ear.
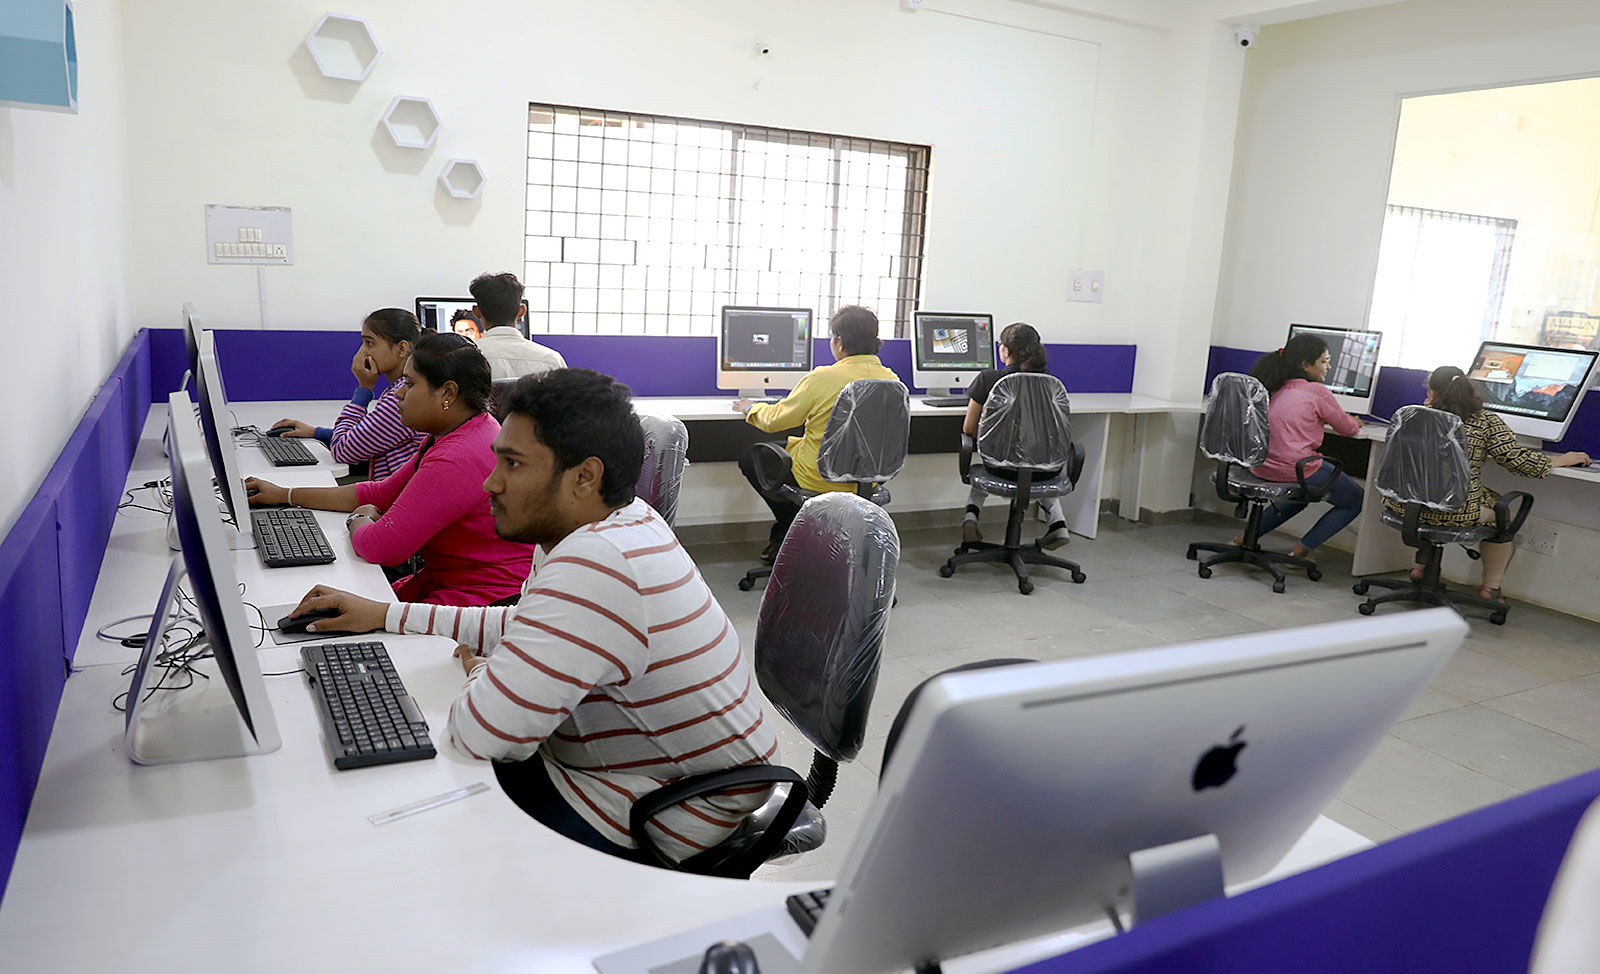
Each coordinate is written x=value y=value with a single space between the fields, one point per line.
x=590 y=473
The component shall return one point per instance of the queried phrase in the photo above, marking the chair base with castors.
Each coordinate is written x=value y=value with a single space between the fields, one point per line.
x=753 y=576
x=1251 y=553
x=1430 y=541
x=1014 y=553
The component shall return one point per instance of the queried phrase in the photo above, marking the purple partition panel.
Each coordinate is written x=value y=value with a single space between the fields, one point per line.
x=1584 y=433
x=1223 y=359
x=86 y=484
x=31 y=668
x=168 y=361
x=1463 y=895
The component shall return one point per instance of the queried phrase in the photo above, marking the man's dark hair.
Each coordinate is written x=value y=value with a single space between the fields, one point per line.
x=444 y=356
x=499 y=297
x=579 y=413
x=857 y=330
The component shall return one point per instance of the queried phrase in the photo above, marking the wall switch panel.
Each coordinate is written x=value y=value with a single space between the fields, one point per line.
x=1086 y=285
x=249 y=235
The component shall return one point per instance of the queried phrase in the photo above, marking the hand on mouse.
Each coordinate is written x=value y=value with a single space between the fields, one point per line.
x=742 y=405
x=356 y=614
x=262 y=492
x=295 y=428
x=1576 y=458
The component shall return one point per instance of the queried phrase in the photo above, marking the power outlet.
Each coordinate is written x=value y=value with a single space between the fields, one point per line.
x=1537 y=538
x=1084 y=285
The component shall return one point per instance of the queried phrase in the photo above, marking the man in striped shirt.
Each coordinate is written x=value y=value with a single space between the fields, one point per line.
x=617 y=672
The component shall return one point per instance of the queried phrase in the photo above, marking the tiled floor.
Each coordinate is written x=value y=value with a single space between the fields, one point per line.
x=1518 y=707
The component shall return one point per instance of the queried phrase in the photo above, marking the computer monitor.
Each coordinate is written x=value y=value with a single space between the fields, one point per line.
x=763 y=348
x=436 y=314
x=202 y=719
x=950 y=349
x=1352 y=363
x=217 y=423
x=1535 y=390
x=191 y=342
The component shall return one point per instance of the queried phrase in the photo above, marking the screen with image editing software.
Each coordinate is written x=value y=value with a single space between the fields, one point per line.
x=1352 y=357
x=1524 y=380
x=766 y=339
x=955 y=343
x=439 y=314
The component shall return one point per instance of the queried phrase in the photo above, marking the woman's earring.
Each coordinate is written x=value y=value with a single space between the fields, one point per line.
x=447 y=404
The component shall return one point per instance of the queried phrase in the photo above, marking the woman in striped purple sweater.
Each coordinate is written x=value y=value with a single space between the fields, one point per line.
x=368 y=429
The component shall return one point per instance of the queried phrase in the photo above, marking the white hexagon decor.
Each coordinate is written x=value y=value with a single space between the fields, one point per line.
x=343 y=47
x=411 y=122
x=462 y=178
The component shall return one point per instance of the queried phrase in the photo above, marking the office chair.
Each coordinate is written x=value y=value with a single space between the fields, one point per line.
x=1025 y=442
x=865 y=444
x=666 y=453
x=818 y=645
x=1234 y=433
x=1425 y=466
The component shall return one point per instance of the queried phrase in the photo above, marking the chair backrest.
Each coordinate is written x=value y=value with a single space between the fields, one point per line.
x=502 y=389
x=1425 y=460
x=666 y=453
x=819 y=636
x=1026 y=423
x=1235 y=427
x=868 y=434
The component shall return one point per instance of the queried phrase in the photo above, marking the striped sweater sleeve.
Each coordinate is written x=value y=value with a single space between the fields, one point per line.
x=478 y=627
x=362 y=434
x=580 y=624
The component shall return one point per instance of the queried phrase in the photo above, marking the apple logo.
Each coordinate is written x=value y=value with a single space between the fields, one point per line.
x=1218 y=765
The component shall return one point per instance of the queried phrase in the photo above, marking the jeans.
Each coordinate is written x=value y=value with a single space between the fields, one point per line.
x=527 y=783
x=1339 y=490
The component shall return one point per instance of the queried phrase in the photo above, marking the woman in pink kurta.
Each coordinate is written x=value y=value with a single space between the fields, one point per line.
x=435 y=504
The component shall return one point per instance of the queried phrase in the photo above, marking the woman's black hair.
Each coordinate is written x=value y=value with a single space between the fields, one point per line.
x=579 y=414
x=1027 y=351
x=394 y=325
x=1453 y=392
x=444 y=356
x=1288 y=362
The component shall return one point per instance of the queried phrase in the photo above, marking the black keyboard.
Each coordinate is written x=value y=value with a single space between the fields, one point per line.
x=945 y=400
x=367 y=715
x=284 y=452
x=806 y=908
x=289 y=537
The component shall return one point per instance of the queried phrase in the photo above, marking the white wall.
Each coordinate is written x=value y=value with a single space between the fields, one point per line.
x=1316 y=134
x=63 y=260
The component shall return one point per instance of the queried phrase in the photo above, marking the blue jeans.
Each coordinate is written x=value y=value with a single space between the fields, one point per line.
x=1339 y=489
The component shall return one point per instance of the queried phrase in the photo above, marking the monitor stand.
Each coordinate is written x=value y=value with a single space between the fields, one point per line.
x=944 y=392
x=755 y=394
x=1170 y=877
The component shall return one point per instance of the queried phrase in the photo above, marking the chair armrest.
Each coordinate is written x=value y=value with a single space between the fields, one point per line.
x=1224 y=488
x=711 y=782
x=1075 y=464
x=1300 y=471
x=1408 y=527
x=969 y=446
x=1506 y=523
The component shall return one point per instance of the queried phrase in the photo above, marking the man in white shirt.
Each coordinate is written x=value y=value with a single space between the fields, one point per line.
x=499 y=302
x=617 y=672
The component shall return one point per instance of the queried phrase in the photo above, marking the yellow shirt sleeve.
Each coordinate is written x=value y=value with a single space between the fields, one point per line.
x=787 y=413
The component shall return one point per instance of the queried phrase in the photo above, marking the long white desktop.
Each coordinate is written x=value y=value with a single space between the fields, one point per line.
x=270 y=863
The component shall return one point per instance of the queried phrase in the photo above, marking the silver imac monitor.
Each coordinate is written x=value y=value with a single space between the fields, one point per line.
x=440 y=314
x=950 y=349
x=173 y=717
x=217 y=424
x=191 y=342
x=763 y=348
x=1535 y=390
x=1352 y=363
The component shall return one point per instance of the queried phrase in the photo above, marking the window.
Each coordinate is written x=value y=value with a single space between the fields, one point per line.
x=647 y=225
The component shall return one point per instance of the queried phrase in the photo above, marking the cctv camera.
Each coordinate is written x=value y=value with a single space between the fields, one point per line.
x=1245 y=34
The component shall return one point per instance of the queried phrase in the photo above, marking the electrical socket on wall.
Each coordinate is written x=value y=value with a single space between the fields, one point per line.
x=1085 y=285
x=1538 y=537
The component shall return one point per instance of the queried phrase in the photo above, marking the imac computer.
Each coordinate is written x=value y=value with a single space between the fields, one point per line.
x=197 y=719
x=949 y=350
x=1352 y=363
x=763 y=348
x=1535 y=390
x=1026 y=800
x=436 y=314
x=191 y=342
x=217 y=424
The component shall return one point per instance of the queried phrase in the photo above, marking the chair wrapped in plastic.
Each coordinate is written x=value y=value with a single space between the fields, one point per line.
x=818 y=646
x=1235 y=432
x=1425 y=468
x=1025 y=444
x=865 y=443
x=666 y=453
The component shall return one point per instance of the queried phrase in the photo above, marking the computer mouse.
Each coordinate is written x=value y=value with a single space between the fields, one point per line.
x=295 y=625
x=277 y=431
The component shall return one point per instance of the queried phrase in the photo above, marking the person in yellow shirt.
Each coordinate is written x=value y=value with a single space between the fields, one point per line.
x=853 y=337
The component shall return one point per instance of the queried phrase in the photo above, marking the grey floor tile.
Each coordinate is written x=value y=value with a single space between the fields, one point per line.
x=1229 y=587
x=1355 y=819
x=1549 y=656
x=1502 y=747
x=1431 y=701
x=1473 y=676
x=1137 y=600
x=1129 y=556
x=1281 y=611
x=1591 y=682
x=928 y=664
x=1205 y=625
x=937 y=628
x=1088 y=642
x=1044 y=613
x=1561 y=707
x=1410 y=787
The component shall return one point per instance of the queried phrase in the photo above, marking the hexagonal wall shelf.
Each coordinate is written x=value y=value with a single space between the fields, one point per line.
x=343 y=47
x=411 y=122
x=462 y=178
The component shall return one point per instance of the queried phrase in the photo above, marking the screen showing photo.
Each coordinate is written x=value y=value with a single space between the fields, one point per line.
x=1352 y=358
x=1539 y=382
x=955 y=343
x=766 y=339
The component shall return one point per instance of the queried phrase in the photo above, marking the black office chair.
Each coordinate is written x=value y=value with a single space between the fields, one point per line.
x=1025 y=442
x=819 y=642
x=1234 y=433
x=868 y=436
x=666 y=453
x=1425 y=467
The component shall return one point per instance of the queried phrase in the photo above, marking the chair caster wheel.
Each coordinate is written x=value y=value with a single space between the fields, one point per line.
x=1277 y=587
x=1078 y=578
x=1365 y=608
x=1313 y=575
x=1498 y=618
x=1205 y=572
x=1191 y=555
x=746 y=584
x=945 y=571
x=1360 y=588
x=1025 y=587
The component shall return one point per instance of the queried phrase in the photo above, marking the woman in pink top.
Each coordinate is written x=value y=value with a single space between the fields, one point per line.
x=435 y=504
x=1301 y=405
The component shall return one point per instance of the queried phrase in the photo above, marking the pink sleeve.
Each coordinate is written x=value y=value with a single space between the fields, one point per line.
x=383 y=493
x=1328 y=408
x=443 y=489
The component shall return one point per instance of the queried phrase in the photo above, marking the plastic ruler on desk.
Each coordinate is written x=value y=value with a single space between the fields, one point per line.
x=427 y=804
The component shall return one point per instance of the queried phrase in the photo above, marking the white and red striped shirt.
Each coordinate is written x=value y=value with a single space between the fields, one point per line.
x=621 y=671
